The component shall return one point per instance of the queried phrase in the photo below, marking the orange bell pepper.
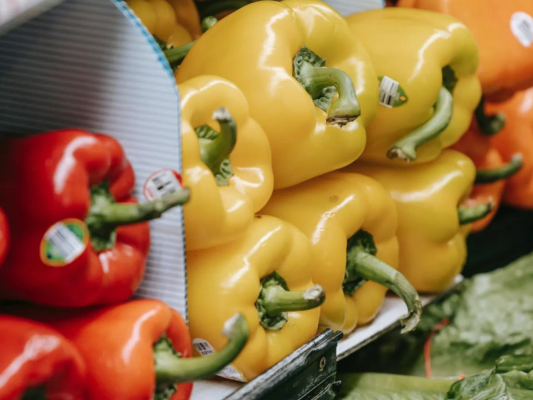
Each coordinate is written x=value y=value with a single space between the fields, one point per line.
x=492 y=171
x=517 y=137
x=504 y=32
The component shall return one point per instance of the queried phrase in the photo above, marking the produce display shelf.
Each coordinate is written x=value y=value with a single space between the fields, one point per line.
x=388 y=319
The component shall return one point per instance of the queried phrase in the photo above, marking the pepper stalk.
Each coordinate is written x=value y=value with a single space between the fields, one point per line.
x=170 y=369
x=488 y=124
x=276 y=300
x=405 y=148
x=362 y=265
x=470 y=214
x=486 y=176
x=322 y=83
x=216 y=147
x=176 y=55
x=106 y=215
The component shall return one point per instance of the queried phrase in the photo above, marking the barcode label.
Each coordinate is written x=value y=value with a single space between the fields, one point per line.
x=228 y=372
x=203 y=347
x=161 y=184
x=66 y=243
x=388 y=92
x=63 y=242
x=522 y=28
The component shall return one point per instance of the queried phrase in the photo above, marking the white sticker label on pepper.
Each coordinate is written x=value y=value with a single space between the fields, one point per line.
x=522 y=28
x=63 y=242
x=388 y=92
x=228 y=372
x=161 y=184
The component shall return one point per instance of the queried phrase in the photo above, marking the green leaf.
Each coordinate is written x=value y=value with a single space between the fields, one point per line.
x=511 y=379
x=491 y=315
x=392 y=387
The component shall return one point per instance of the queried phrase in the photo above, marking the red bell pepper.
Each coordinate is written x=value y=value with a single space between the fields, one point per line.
x=135 y=350
x=37 y=362
x=69 y=247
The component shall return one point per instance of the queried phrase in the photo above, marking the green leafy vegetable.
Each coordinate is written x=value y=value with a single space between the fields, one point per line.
x=510 y=379
x=392 y=387
x=491 y=315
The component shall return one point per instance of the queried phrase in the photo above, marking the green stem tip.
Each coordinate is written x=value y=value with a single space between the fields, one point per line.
x=105 y=214
x=208 y=22
x=216 y=147
x=488 y=124
x=111 y=215
x=362 y=263
x=485 y=176
x=405 y=148
x=176 y=55
x=470 y=214
x=276 y=300
x=171 y=369
x=322 y=83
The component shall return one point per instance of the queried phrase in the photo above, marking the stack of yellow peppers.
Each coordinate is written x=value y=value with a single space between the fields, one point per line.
x=314 y=148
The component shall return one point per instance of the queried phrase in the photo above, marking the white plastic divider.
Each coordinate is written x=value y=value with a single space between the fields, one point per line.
x=84 y=65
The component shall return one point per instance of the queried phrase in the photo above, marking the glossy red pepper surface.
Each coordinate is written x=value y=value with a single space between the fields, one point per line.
x=116 y=342
x=34 y=356
x=47 y=178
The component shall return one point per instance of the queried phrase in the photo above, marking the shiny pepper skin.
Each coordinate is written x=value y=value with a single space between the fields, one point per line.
x=330 y=209
x=225 y=280
x=35 y=357
x=260 y=63
x=432 y=242
x=506 y=54
x=419 y=50
x=217 y=214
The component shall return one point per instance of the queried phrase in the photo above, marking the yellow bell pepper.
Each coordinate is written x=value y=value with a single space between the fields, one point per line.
x=175 y=22
x=351 y=222
x=434 y=59
x=432 y=229
x=309 y=82
x=264 y=275
x=229 y=173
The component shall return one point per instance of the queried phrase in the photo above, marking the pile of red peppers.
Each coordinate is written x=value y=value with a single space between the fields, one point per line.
x=73 y=248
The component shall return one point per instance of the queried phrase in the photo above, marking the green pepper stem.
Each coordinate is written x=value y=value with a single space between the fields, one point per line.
x=469 y=214
x=277 y=300
x=346 y=108
x=176 y=55
x=405 y=148
x=484 y=176
x=169 y=368
x=214 y=151
x=208 y=22
x=213 y=7
x=105 y=215
x=488 y=124
x=373 y=269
